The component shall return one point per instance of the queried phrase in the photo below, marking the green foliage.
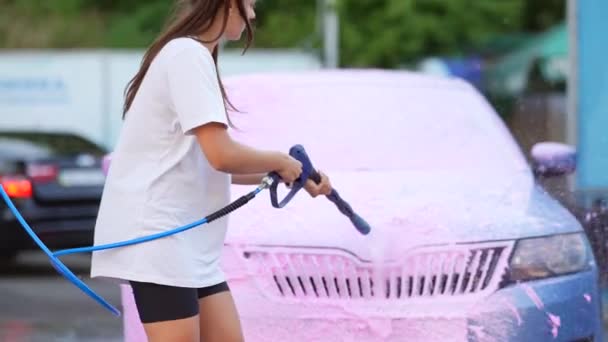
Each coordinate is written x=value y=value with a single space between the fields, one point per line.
x=387 y=33
x=382 y=33
x=285 y=24
x=136 y=26
x=538 y=15
x=49 y=24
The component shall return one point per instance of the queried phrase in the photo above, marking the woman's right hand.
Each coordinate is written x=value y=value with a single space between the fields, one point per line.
x=288 y=168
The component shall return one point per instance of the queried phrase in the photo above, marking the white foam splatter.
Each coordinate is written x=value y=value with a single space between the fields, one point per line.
x=587 y=297
x=555 y=322
x=533 y=296
x=478 y=330
x=514 y=311
x=381 y=327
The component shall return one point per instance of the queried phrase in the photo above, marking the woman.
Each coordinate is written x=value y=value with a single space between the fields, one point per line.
x=173 y=164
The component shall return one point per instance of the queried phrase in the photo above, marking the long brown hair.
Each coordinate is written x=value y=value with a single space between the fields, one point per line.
x=190 y=19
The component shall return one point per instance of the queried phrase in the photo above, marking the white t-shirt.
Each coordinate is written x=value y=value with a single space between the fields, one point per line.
x=159 y=178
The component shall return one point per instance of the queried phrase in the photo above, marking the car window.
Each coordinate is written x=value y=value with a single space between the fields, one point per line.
x=378 y=127
x=44 y=145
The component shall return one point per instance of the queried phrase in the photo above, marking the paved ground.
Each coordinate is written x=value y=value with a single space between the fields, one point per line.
x=37 y=305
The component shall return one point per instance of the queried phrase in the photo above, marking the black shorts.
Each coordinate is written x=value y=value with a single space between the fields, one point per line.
x=157 y=303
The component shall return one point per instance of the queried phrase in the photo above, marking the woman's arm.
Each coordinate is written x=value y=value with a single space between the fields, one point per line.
x=250 y=179
x=229 y=156
x=247 y=165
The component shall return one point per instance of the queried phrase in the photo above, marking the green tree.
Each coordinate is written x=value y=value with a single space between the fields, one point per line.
x=286 y=24
x=391 y=32
x=540 y=15
x=43 y=24
x=378 y=33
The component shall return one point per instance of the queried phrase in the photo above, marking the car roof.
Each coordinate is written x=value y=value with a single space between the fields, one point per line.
x=37 y=143
x=403 y=78
x=386 y=107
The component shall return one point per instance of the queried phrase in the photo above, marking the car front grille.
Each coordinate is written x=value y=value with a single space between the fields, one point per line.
x=328 y=274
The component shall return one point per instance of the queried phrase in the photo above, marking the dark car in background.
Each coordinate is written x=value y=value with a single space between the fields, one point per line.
x=55 y=180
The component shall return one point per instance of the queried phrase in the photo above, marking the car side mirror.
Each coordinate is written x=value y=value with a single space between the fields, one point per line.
x=552 y=159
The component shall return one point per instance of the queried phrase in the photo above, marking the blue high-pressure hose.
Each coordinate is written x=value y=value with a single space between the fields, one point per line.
x=271 y=181
x=222 y=212
x=69 y=275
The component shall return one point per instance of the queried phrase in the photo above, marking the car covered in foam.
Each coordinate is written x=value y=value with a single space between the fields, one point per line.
x=465 y=245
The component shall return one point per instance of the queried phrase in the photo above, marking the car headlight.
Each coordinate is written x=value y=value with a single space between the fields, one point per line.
x=549 y=257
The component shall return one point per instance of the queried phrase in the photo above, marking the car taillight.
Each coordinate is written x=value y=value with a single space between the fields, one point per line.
x=17 y=186
x=42 y=173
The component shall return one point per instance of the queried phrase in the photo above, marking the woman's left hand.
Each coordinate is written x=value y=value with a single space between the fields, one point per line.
x=323 y=188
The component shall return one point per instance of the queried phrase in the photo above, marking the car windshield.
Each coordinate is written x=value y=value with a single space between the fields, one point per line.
x=44 y=145
x=378 y=127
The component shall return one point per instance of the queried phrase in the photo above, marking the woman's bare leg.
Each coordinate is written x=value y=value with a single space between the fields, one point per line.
x=219 y=319
x=181 y=330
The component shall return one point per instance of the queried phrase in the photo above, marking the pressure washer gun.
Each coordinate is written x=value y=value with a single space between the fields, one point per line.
x=271 y=181
x=309 y=172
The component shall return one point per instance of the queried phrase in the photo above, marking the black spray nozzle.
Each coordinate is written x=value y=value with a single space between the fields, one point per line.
x=309 y=172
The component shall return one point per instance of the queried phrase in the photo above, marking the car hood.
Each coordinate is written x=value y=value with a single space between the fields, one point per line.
x=405 y=210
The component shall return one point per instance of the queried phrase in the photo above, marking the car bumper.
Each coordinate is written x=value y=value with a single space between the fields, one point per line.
x=566 y=308
x=560 y=309
x=60 y=226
